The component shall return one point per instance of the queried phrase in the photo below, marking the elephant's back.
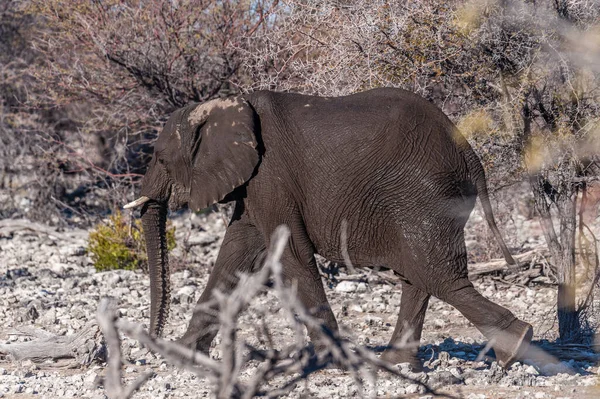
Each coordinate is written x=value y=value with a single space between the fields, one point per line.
x=372 y=162
x=375 y=120
x=371 y=142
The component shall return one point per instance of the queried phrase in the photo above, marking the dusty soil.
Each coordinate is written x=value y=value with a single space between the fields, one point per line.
x=50 y=283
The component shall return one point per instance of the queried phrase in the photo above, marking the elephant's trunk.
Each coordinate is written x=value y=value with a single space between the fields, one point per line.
x=154 y=220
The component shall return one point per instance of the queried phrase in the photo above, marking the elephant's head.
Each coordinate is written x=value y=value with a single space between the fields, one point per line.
x=203 y=153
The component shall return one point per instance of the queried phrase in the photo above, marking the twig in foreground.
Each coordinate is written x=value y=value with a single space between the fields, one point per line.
x=107 y=316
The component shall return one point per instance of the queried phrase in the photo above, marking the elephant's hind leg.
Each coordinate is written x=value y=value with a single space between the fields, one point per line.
x=404 y=344
x=241 y=252
x=448 y=262
x=442 y=272
x=510 y=336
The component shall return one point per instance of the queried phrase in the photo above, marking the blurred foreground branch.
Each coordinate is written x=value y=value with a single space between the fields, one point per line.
x=107 y=315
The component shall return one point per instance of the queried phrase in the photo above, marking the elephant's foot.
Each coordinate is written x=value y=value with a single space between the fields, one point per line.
x=511 y=344
x=319 y=353
x=193 y=341
x=397 y=356
x=318 y=348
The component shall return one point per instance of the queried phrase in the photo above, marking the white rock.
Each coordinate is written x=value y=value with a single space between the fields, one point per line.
x=48 y=317
x=356 y=308
x=59 y=268
x=439 y=323
x=589 y=381
x=186 y=294
x=531 y=370
x=90 y=377
x=114 y=280
x=415 y=388
x=346 y=286
x=361 y=287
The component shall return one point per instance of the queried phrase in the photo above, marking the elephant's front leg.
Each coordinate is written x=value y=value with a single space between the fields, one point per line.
x=409 y=327
x=241 y=252
x=300 y=270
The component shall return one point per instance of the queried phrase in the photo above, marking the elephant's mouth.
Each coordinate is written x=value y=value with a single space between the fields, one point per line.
x=180 y=197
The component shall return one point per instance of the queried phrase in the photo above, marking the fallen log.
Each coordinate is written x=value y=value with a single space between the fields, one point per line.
x=71 y=351
x=524 y=260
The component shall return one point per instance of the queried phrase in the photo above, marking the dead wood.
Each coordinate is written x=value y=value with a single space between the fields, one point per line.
x=107 y=315
x=70 y=351
x=525 y=260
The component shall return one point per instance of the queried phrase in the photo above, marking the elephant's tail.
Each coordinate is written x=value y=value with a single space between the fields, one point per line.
x=478 y=176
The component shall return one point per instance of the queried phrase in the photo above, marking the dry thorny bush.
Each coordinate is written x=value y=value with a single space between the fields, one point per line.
x=97 y=79
x=88 y=85
x=295 y=362
x=479 y=60
x=51 y=165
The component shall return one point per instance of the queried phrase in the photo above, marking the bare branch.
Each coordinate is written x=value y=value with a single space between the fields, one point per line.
x=107 y=316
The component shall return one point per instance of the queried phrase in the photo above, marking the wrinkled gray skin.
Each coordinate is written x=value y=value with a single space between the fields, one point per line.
x=386 y=161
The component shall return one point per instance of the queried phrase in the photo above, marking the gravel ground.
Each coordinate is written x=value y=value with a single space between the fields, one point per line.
x=50 y=283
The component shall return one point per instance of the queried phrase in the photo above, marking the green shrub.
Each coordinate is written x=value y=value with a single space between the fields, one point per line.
x=119 y=244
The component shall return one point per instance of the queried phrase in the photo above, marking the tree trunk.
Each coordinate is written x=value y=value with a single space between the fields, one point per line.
x=562 y=250
x=568 y=320
x=562 y=245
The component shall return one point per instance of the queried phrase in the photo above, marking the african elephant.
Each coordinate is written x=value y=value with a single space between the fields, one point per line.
x=385 y=162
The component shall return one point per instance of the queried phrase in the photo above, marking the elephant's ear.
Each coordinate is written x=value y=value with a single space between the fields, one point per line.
x=226 y=155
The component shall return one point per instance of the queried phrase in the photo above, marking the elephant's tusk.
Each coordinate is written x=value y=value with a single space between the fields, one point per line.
x=137 y=202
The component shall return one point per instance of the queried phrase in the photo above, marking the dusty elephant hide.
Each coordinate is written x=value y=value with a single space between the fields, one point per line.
x=384 y=169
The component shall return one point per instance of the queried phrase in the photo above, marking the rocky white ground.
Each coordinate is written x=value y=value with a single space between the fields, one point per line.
x=50 y=283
